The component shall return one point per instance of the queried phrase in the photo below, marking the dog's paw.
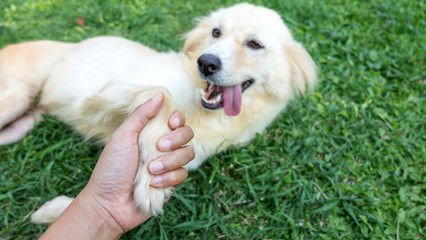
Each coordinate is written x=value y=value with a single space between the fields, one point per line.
x=149 y=199
x=51 y=210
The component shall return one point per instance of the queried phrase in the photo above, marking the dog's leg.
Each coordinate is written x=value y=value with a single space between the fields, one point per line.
x=15 y=99
x=100 y=116
x=51 y=210
x=149 y=199
x=23 y=69
x=101 y=123
x=19 y=128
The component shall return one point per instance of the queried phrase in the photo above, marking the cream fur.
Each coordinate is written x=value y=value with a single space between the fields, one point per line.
x=95 y=84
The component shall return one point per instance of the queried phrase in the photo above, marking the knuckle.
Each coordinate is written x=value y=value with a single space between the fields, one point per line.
x=191 y=152
x=141 y=111
x=185 y=173
x=189 y=130
x=182 y=117
x=183 y=134
x=172 y=178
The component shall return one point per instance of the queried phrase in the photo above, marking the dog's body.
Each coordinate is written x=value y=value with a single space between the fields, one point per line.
x=246 y=53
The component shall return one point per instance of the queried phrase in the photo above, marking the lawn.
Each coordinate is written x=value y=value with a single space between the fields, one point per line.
x=346 y=162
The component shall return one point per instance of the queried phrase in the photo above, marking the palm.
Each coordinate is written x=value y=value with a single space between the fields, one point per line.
x=113 y=178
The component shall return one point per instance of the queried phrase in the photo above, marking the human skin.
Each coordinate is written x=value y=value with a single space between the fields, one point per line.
x=105 y=209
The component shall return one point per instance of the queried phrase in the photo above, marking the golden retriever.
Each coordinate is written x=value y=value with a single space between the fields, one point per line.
x=239 y=68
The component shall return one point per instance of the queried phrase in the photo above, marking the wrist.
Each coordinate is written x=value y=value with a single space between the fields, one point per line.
x=85 y=218
x=100 y=222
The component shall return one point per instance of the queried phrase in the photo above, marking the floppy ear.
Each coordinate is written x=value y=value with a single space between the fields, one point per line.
x=196 y=38
x=302 y=67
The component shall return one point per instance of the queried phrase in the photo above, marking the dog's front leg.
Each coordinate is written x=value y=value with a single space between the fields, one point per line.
x=150 y=199
x=97 y=121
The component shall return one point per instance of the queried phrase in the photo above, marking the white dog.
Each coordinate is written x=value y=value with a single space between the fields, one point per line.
x=239 y=68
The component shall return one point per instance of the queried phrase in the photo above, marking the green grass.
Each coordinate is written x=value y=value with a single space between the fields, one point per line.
x=347 y=162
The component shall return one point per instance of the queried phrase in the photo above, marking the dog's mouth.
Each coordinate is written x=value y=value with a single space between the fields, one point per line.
x=228 y=97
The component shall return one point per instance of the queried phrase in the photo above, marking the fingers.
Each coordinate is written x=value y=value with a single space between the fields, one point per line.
x=175 y=139
x=141 y=115
x=169 y=179
x=172 y=160
x=168 y=168
x=176 y=120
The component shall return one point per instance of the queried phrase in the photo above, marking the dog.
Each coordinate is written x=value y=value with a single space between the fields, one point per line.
x=239 y=68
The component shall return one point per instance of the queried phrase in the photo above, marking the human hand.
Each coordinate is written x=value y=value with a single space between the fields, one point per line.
x=108 y=196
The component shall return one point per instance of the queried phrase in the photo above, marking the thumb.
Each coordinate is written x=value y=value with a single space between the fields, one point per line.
x=141 y=115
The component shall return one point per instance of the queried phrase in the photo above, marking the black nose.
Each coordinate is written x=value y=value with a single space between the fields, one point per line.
x=209 y=64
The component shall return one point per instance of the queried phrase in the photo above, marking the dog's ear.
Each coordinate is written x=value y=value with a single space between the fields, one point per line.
x=293 y=74
x=302 y=67
x=195 y=38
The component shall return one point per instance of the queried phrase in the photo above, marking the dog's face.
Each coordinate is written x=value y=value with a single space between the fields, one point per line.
x=243 y=52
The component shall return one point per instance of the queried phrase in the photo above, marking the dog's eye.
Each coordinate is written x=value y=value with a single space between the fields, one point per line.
x=216 y=33
x=254 y=44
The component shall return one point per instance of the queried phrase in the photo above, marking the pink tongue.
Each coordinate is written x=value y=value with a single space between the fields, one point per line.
x=232 y=100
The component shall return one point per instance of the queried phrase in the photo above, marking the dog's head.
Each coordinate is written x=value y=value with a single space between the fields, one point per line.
x=246 y=51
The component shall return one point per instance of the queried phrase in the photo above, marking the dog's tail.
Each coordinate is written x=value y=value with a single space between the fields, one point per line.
x=24 y=68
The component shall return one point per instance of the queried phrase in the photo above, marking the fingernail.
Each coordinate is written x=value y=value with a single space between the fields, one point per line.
x=156 y=167
x=175 y=122
x=157 y=179
x=157 y=97
x=165 y=144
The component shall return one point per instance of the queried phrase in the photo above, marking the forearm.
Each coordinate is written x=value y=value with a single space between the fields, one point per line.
x=83 y=220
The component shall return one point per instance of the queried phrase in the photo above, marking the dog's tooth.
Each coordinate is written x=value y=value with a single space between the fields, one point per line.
x=216 y=100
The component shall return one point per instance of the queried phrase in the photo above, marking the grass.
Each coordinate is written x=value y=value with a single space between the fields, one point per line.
x=347 y=162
